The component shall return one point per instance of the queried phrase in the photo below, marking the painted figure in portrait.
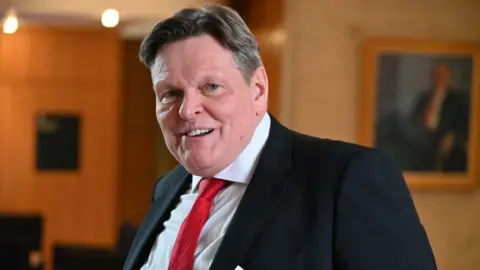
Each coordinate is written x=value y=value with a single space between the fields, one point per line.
x=423 y=110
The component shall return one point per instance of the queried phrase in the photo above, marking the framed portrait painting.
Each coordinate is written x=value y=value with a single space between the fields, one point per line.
x=419 y=104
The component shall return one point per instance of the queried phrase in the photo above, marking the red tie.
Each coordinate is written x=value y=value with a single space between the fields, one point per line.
x=183 y=254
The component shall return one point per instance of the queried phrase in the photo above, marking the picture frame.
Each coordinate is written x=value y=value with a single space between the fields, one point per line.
x=57 y=141
x=418 y=104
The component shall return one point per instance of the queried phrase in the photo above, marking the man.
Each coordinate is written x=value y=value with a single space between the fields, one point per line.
x=250 y=193
x=442 y=114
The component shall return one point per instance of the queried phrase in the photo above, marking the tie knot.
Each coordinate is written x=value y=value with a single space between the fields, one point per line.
x=209 y=188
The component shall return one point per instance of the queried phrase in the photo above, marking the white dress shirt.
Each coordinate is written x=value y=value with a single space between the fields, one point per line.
x=433 y=117
x=223 y=208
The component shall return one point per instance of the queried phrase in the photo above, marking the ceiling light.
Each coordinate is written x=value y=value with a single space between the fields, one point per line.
x=10 y=24
x=110 y=18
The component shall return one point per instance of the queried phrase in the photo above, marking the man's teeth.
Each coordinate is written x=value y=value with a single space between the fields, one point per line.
x=197 y=132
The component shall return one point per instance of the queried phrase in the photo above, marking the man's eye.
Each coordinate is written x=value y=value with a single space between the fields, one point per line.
x=211 y=86
x=169 y=96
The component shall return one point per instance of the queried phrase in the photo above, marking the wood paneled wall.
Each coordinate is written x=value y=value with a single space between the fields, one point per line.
x=139 y=137
x=144 y=156
x=62 y=70
x=265 y=19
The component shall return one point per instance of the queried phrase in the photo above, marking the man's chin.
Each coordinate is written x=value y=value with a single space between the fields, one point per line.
x=200 y=165
x=206 y=172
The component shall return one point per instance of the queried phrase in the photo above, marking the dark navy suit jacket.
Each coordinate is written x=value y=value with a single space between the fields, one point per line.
x=312 y=204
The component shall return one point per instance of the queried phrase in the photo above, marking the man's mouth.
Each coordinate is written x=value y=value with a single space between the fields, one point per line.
x=198 y=132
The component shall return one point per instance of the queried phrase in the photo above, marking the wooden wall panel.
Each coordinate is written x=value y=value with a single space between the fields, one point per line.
x=139 y=129
x=62 y=70
x=4 y=143
x=142 y=141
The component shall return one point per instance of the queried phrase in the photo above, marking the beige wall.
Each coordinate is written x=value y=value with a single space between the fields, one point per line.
x=321 y=85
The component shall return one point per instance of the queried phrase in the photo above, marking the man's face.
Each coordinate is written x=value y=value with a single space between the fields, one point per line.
x=206 y=109
x=441 y=78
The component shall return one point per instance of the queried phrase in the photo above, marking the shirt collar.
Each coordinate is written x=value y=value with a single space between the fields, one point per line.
x=241 y=169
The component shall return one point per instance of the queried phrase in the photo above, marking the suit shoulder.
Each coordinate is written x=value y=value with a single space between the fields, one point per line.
x=158 y=186
x=166 y=180
x=321 y=148
x=330 y=158
x=322 y=165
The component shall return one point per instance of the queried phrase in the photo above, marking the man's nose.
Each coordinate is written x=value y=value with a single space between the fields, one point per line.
x=191 y=105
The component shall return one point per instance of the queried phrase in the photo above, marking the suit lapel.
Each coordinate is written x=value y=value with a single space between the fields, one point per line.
x=263 y=193
x=175 y=184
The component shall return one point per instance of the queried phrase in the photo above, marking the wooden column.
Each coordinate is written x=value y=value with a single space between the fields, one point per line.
x=144 y=155
x=265 y=19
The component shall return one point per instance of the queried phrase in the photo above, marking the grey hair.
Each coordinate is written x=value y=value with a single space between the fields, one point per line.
x=220 y=22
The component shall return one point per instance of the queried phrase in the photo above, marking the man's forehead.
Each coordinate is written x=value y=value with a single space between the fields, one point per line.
x=158 y=71
x=209 y=62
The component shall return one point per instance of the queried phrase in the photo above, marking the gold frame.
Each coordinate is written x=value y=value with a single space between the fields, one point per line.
x=372 y=48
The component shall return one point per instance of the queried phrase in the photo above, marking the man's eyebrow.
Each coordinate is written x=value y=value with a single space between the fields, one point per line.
x=211 y=77
x=163 y=86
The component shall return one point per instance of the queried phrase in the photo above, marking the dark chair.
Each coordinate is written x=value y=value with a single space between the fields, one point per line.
x=80 y=257
x=68 y=257
x=21 y=241
x=126 y=235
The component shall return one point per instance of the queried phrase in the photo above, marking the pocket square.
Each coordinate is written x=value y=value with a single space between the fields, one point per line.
x=238 y=268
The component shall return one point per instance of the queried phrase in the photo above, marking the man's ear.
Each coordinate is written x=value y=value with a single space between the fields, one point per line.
x=259 y=84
